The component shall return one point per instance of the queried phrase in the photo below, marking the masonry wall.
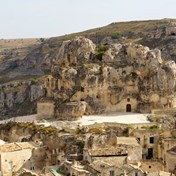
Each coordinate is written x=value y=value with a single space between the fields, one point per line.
x=122 y=106
x=45 y=110
x=13 y=161
x=170 y=161
x=143 y=137
x=134 y=154
x=116 y=160
x=151 y=166
x=164 y=146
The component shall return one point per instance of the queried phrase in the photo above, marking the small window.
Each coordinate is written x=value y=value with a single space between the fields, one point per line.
x=112 y=173
x=136 y=174
x=139 y=140
x=150 y=167
x=151 y=140
x=98 y=96
x=128 y=99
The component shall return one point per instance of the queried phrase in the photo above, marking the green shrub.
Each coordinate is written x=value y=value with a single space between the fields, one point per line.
x=100 y=52
x=41 y=40
x=154 y=127
x=96 y=131
x=115 y=35
x=33 y=82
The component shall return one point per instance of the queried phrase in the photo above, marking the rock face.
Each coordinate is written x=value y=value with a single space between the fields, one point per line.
x=75 y=51
x=126 y=78
x=19 y=98
x=28 y=58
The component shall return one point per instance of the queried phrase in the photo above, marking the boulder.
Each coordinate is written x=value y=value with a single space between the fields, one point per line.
x=75 y=51
x=136 y=51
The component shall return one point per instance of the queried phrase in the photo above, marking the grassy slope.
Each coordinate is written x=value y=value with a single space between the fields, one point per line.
x=17 y=43
x=123 y=27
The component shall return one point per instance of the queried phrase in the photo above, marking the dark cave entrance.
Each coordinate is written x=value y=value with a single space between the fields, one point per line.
x=128 y=108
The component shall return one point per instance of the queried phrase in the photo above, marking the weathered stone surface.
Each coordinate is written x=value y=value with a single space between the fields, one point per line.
x=15 y=95
x=75 y=51
x=129 y=77
x=71 y=110
x=137 y=51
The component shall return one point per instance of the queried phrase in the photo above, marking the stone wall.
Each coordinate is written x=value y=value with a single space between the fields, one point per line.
x=170 y=161
x=144 y=138
x=11 y=163
x=45 y=110
x=151 y=166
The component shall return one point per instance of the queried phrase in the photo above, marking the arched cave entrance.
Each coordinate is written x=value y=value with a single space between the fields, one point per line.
x=128 y=108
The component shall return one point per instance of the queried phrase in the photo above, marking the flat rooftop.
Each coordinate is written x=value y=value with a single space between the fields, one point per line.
x=16 y=146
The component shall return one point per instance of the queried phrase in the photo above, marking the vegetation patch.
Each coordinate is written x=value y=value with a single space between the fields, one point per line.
x=100 y=52
x=116 y=35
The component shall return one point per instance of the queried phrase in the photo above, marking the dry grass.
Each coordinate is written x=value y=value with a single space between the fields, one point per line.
x=123 y=28
x=17 y=43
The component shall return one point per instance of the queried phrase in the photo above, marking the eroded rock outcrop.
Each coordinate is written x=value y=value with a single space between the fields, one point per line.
x=19 y=98
x=117 y=77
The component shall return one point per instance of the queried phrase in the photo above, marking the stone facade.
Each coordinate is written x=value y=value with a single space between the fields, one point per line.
x=46 y=109
x=158 y=151
x=112 y=149
x=170 y=160
x=14 y=156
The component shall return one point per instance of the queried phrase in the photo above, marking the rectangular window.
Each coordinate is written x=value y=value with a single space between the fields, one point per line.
x=151 y=140
x=112 y=173
x=10 y=165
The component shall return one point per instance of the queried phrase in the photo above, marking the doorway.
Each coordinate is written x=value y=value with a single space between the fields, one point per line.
x=128 y=108
x=150 y=153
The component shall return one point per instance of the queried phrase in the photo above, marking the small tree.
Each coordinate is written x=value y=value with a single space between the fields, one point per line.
x=41 y=40
x=100 y=52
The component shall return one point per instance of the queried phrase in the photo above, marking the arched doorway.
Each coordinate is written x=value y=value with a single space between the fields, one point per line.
x=128 y=108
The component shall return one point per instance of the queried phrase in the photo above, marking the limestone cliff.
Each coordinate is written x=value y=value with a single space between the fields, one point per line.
x=19 y=98
x=25 y=59
x=108 y=78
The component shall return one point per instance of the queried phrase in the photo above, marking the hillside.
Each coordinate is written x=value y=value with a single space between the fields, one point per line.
x=32 y=57
x=25 y=61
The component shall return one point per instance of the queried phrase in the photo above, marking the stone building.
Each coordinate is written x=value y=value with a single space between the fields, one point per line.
x=171 y=160
x=112 y=149
x=76 y=169
x=148 y=139
x=13 y=156
x=104 y=168
x=158 y=148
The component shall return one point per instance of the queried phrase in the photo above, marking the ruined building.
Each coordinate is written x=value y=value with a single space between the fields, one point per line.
x=86 y=79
